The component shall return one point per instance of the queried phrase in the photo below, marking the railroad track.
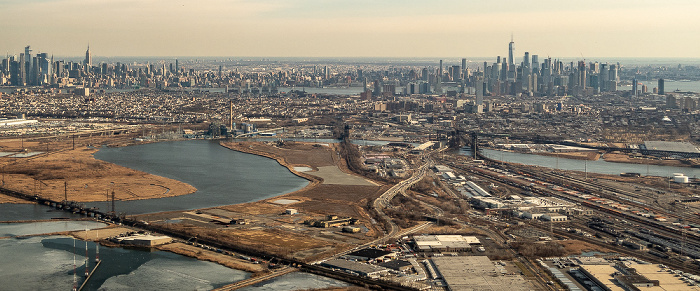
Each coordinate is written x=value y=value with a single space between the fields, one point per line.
x=614 y=192
x=666 y=230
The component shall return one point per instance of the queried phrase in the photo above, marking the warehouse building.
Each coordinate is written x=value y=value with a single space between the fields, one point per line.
x=370 y=255
x=444 y=243
x=361 y=269
x=144 y=240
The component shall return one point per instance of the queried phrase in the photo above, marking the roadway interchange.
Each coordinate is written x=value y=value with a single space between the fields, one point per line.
x=542 y=183
x=384 y=200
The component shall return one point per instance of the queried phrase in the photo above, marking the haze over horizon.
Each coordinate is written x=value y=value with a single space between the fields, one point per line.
x=363 y=28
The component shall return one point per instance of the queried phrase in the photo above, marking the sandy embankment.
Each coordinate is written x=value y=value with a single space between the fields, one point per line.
x=624 y=158
x=82 y=178
x=585 y=155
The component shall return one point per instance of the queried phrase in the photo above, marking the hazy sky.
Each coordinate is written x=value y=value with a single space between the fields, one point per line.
x=353 y=28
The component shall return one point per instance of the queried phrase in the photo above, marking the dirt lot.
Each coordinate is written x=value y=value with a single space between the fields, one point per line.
x=271 y=240
x=624 y=158
x=333 y=175
x=292 y=153
x=83 y=178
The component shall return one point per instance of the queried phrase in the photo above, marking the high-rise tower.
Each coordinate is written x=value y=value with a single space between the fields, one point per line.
x=88 y=57
x=511 y=50
x=27 y=63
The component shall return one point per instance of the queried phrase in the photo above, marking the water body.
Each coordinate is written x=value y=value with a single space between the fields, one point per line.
x=34 y=228
x=46 y=263
x=313 y=90
x=221 y=176
x=15 y=212
x=296 y=281
x=691 y=86
x=600 y=166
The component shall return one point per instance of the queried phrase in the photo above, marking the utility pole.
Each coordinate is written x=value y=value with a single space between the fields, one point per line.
x=113 y=203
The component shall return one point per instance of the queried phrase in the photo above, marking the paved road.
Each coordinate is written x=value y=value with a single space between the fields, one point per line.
x=382 y=201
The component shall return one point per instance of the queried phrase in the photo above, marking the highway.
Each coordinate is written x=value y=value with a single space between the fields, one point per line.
x=385 y=199
x=381 y=203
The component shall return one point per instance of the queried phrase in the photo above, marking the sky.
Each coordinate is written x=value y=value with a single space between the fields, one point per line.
x=357 y=28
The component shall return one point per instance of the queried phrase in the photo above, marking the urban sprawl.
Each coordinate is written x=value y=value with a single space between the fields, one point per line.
x=407 y=189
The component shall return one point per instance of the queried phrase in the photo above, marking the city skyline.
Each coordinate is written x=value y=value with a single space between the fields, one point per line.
x=310 y=28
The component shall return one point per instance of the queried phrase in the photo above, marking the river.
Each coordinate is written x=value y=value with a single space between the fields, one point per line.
x=600 y=166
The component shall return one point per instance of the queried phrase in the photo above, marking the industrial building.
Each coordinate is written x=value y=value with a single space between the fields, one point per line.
x=633 y=276
x=370 y=255
x=398 y=265
x=332 y=221
x=16 y=122
x=361 y=269
x=444 y=243
x=554 y=217
x=143 y=240
x=670 y=146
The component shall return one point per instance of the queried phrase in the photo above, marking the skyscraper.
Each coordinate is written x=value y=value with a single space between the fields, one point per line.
x=511 y=50
x=27 y=64
x=603 y=78
x=661 y=87
x=582 y=74
x=526 y=60
x=535 y=64
x=88 y=58
x=438 y=84
x=22 y=70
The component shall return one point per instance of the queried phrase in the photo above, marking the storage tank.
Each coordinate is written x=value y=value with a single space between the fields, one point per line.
x=680 y=179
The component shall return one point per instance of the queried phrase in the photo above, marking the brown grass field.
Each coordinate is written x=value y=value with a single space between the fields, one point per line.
x=77 y=174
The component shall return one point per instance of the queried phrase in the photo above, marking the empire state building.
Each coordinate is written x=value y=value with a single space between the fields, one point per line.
x=88 y=57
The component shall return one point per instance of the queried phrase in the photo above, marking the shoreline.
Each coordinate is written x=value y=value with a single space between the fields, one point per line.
x=81 y=177
x=313 y=180
x=625 y=159
x=581 y=156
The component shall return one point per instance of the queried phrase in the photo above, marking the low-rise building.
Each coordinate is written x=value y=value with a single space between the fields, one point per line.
x=444 y=243
x=358 y=268
x=144 y=240
x=553 y=217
